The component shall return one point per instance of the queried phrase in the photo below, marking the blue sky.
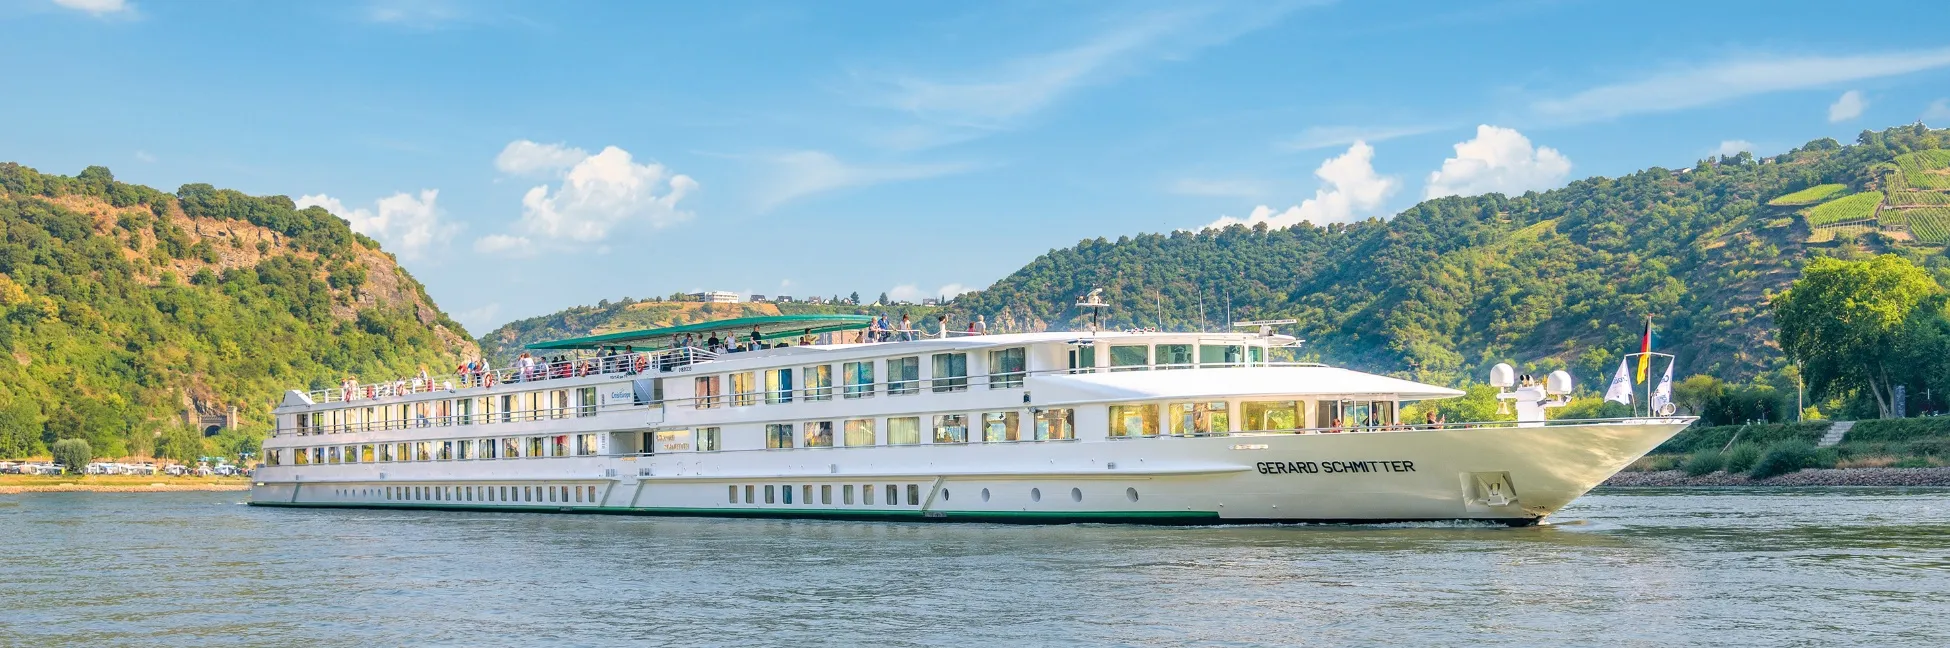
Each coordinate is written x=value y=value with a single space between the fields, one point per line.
x=525 y=157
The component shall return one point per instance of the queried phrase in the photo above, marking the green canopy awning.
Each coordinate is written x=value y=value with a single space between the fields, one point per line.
x=772 y=327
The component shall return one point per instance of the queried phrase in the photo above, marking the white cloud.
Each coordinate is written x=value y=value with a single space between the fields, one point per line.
x=913 y=292
x=1698 y=86
x=1938 y=110
x=479 y=320
x=144 y=156
x=800 y=174
x=1320 y=137
x=1848 y=106
x=503 y=244
x=99 y=8
x=597 y=194
x=408 y=225
x=1220 y=188
x=1733 y=147
x=523 y=157
x=1352 y=190
x=1498 y=160
x=417 y=14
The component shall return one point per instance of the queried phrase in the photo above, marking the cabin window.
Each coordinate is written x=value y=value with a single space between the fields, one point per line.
x=272 y=458
x=402 y=452
x=1007 y=367
x=421 y=412
x=1384 y=413
x=859 y=379
x=425 y=451
x=950 y=372
x=913 y=494
x=587 y=445
x=950 y=428
x=332 y=454
x=1220 y=355
x=585 y=401
x=443 y=412
x=558 y=403
x=998 y=427
x=904 y=375
x=731 y=491
x=904 y=430
x=778 y=435
x=559 y=445
x=371 y=419
x=673 y=440
x=778 y=386
x=1130 y=357
x=464 y=449
x=744 y=389
x=1198 y=418
x=748 y=493
x=1133 y=420
x=707 y=392
x=858 y=432
x=1083 y=359
x=893 y=495
x=537 y=447
x=1271 y=415
x=464 y=411
x=770 y=495
x=803 y=500
x=301 y=457
x=846 y=494
x=708 y=440
x=866 y=494
x=819 y=382
x=1055 y=424
x=511 y=448
x=819 y=434
x=509 y=404
x=1356 y=414
x=534 y=405
x=825 y=493
x=489 y=448
x=487 y=413
x=1174 y=356
x=304 y=424
x=368 y=454
x=446 y=451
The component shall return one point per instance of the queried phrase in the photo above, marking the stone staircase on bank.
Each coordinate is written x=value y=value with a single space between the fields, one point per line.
x=1835 y=433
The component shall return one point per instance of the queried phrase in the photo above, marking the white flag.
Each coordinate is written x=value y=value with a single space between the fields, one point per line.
x=1662 y=395
x=1621 y=386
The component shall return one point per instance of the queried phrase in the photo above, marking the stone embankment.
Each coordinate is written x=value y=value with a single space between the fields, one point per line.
x=1812 y=477
x=159 y=487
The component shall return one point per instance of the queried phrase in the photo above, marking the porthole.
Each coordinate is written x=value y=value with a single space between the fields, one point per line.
x=1130 y=494
x=985 y=494
x=1035 y=494
x=1076 y=494
x=944 y=495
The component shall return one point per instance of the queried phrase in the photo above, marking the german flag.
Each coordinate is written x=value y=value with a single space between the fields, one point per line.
x=1645 y=350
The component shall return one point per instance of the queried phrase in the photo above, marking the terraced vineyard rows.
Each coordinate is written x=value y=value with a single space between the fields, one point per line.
x=1809 y=196
x=1929 y=224
x=1853 y=207
x=1919 y=198
x=1924 y=169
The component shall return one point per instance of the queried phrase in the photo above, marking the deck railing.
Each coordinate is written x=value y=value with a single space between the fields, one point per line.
x=622 y=363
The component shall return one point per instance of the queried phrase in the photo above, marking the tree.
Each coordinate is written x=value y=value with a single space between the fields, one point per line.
x=182 y=444
x=1696 y=392
x=72 y=454
x=1861 y=325
x=883 y=299
x=854 y=298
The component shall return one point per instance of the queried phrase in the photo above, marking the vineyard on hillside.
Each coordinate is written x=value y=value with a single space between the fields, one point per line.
x=1929 y=224
x=1847 y=209
x=1809 y=196
x=1919 y=198
x=1922 y=170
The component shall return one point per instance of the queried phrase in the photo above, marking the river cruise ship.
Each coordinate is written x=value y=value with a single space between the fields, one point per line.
x=834 y=421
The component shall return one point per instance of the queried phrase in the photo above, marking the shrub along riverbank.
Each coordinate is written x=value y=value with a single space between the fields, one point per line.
x=1763 y=451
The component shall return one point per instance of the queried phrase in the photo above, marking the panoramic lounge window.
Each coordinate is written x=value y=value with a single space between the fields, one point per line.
x=1007 y=367
x=819 y=434
x=859 y=379
x=1130 y=358
x=1198 y=418
x=904 y=375
x=1270 y=415
x=950 y=372
x=1055 y=424
x=950 y=428
x=1133 y=420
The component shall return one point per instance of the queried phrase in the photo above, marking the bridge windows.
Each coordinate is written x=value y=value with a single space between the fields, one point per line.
x=1221 y=355
x=1130 y=357
x=1083 y=359
x=1174 y=356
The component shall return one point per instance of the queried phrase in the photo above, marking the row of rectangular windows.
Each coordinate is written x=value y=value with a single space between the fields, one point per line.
x=546 y=494
x=1007 y=367
x=783 y=494
x=561 y=445
x=497 y=408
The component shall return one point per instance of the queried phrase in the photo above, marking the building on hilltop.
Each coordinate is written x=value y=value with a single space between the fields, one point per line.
x=715 y=297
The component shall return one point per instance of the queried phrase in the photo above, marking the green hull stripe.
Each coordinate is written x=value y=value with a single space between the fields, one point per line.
x=830 y=514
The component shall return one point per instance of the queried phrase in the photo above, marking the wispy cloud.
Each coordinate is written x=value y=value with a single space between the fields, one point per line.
x=101 y=8
x=1000 y=96
x=800 y=174
x=1733 y=147
x=144 y=156
x=1320 y=137
x=1690 y=87
x=1849 y=106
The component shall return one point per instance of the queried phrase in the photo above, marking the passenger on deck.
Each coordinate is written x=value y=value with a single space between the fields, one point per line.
x=426 y=380
x=941 y=326
x=980 y=327
x=712 y=344
x=758 y=339
x=907 y=328
x=806 y=338
x=873 y=330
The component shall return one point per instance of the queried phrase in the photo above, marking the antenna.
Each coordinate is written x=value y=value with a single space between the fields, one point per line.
x=1201 y=307
x=1265 y=326
x=1094 y=300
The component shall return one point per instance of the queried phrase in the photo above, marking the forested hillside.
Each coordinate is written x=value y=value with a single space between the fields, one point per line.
x=122 y=308
x=1561 y=278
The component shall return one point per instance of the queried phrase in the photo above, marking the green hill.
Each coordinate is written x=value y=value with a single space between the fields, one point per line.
x=125 y=310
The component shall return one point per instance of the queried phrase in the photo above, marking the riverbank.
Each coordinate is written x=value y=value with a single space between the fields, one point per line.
x=10 y=484
x=1938 y=476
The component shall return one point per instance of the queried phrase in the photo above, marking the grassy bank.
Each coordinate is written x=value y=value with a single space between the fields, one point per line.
x=117 y=483
x=1762 y=451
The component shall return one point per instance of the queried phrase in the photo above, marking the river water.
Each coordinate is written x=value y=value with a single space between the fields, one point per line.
x=1675 y=567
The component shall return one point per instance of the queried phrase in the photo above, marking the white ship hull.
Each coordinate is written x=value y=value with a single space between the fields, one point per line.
x=1512 y=475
